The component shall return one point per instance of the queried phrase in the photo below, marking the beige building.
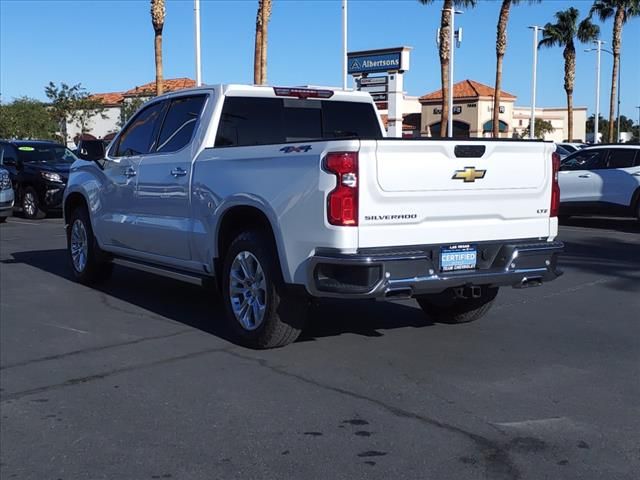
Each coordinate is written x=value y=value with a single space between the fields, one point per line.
x=473 y=112
x=558 y=118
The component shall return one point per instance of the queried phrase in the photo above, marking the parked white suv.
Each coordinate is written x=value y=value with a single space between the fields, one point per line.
x=603 y=180
x=285 y=194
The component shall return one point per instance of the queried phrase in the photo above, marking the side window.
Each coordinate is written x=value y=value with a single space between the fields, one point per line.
x=586 y=160
x=621 y=157
x=179 y=123
x=8 y=155
x=250 y=121
x=139 y=137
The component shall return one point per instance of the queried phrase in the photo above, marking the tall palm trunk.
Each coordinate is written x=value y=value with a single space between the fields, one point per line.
x=569 y=80
x=266 y=15
x=617 y=34
x=257 y=53
x=157 y=19
x=501 y=48
x=445 y=56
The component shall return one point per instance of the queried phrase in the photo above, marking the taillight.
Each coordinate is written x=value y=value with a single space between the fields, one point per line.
x=555 y=187
x=342 y=201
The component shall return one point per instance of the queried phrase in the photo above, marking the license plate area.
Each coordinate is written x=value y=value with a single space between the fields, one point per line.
x=454 y=258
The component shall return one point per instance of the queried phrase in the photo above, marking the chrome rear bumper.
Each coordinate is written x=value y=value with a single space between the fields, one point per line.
x=409 y=271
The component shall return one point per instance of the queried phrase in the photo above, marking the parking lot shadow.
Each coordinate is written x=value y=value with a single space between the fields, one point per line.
x=604 y=256
x=624 y=225
x=201 y=308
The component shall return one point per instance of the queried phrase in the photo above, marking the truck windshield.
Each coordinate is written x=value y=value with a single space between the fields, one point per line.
x=266 y=121
x=42 y=153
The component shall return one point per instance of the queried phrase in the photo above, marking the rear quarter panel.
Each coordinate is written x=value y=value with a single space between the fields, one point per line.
x=289 y=188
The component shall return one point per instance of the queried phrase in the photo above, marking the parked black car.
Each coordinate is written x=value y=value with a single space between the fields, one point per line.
x=39 y=172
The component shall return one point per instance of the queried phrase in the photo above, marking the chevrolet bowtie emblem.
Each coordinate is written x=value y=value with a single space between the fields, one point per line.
x=469 y=174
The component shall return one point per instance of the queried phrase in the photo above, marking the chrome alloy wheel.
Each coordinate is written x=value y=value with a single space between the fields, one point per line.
x=247 y=290
x=29 y=204
x=79 y=246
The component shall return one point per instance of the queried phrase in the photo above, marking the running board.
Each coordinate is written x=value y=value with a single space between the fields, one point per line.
x=183 y=276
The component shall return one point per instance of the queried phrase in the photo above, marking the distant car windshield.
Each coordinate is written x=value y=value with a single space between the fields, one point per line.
x=42 y=153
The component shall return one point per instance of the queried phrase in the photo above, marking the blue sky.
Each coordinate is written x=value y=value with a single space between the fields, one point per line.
x=107 y=45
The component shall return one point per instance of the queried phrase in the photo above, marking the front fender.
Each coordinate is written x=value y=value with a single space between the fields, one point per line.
x=87 y=180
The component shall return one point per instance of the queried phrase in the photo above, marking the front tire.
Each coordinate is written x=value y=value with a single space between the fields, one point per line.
x=446 y=308
x=89 y=263
x=31 y=205
x=258 y=310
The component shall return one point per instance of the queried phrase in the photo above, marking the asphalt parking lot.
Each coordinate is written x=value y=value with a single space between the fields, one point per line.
x=137 y=381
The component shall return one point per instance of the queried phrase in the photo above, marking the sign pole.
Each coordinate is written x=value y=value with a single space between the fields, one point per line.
x=344 y=44
x=196 y=11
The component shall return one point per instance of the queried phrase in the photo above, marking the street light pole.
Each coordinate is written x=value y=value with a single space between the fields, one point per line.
x=532 y=120
x=196 y=12
x=619 y=75
x=596 y=121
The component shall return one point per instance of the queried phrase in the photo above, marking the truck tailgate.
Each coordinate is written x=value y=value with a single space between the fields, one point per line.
x=453 y=191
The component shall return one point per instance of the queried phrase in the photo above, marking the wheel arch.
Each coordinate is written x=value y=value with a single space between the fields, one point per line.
x=239 y=218
x=72 y=201
x=635 y=201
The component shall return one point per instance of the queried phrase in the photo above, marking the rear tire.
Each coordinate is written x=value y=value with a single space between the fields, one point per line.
x=258 y=310
x=445 y=308
x=3 y=219
x=31 y=205
x=89 y=264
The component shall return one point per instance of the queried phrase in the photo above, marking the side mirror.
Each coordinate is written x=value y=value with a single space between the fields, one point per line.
x=83 y=151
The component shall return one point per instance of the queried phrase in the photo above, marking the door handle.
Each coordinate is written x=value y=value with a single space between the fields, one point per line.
x=178 y=172
x=129 y=172
x=584 y=176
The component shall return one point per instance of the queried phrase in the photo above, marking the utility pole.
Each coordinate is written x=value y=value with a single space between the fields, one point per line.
x=452 y=38
x=196 y=12
x=534 y=79
x=344 y=44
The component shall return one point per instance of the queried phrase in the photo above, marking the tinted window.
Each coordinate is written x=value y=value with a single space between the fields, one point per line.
x=179 y=123
x=586 y=160
x=263 y=121
x=139 y=137
x=621 y=157
x=43 y=153
x=8 y=155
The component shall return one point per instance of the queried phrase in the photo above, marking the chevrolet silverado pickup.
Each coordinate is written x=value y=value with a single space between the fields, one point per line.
x=278 y=196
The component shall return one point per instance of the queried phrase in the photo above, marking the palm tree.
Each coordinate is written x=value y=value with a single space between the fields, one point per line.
x=621 y=10
x=157 y=19
x=445 y=53
x=562 y=34
x=501 y=48
x=260 y=49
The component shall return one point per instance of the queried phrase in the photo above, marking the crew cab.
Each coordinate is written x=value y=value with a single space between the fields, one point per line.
x=278 y=196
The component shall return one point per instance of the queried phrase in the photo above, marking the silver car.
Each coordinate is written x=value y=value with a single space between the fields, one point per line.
x=6 y=195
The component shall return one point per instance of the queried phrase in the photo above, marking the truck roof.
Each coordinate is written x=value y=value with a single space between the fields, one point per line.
x=234 y=89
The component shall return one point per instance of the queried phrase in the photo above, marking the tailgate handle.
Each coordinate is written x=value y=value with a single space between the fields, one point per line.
x=469 y=151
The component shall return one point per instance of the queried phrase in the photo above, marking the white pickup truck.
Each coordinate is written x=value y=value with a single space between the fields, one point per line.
x=282 y=195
